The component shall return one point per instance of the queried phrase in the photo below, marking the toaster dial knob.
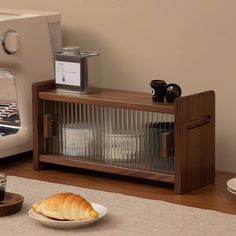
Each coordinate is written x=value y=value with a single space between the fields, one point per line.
x=10 y=42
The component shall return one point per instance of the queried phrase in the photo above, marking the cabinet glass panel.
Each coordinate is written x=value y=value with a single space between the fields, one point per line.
x=119 y=137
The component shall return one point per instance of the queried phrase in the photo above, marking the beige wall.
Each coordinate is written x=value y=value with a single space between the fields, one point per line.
x=190 y=42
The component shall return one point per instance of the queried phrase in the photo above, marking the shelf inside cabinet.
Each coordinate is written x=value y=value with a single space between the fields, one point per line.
x=96 y=166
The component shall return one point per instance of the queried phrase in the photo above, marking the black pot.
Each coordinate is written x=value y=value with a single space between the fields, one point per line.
x=172 y=92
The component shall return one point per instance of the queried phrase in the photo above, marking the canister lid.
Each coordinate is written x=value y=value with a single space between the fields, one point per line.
x=76 y=51
x=71 y=50
x=89 y=53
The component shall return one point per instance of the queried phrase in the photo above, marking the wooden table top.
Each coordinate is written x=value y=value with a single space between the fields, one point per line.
x=214 y=197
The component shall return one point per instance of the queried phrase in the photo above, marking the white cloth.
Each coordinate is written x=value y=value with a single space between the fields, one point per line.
x=126 y=215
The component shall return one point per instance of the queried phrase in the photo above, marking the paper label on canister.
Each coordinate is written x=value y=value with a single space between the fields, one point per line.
x=67 y=73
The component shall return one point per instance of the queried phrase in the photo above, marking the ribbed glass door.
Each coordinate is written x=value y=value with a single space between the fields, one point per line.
x=115 y=136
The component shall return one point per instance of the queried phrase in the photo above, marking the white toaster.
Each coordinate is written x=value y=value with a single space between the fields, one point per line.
x=29 y=40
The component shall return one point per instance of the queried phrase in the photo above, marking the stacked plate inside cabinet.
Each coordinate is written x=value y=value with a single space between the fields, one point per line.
x=231 y=185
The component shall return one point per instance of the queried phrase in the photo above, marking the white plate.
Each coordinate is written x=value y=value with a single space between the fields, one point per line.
x=65 y=224
x=230 y=190
x=232 y=184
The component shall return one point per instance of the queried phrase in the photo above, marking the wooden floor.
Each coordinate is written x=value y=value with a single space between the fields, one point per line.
x=215 y=197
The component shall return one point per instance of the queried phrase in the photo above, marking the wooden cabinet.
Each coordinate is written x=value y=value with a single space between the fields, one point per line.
x=125 y=133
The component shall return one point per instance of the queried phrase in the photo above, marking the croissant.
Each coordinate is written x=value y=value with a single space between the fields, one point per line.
x=66 y=206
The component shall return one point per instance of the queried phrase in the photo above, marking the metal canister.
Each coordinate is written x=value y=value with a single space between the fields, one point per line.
x=77 y=70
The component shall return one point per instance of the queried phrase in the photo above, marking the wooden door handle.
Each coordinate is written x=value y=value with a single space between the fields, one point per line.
x=47 y=126
x=165 y=144
x=198 y=122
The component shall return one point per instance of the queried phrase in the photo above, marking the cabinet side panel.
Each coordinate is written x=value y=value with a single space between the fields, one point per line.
x=194 y=141
x=38 y=139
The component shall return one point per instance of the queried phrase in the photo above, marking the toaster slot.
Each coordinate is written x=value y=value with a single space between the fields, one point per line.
x=9 y=112
x=7 y=130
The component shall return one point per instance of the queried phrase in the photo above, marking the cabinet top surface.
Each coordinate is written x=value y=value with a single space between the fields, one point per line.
x=111 y=98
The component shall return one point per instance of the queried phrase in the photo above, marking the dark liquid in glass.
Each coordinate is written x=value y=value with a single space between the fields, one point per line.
x=2 y=194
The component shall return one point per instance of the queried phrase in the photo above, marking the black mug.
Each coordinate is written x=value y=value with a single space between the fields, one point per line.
x=172 y=92
x=158 y=90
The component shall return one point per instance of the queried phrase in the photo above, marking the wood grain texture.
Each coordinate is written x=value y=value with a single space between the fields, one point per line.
x=213 y=196
x=194 y=141
x=38 y=129
x=92 y=165
x=12 y=204
x=111 y=98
